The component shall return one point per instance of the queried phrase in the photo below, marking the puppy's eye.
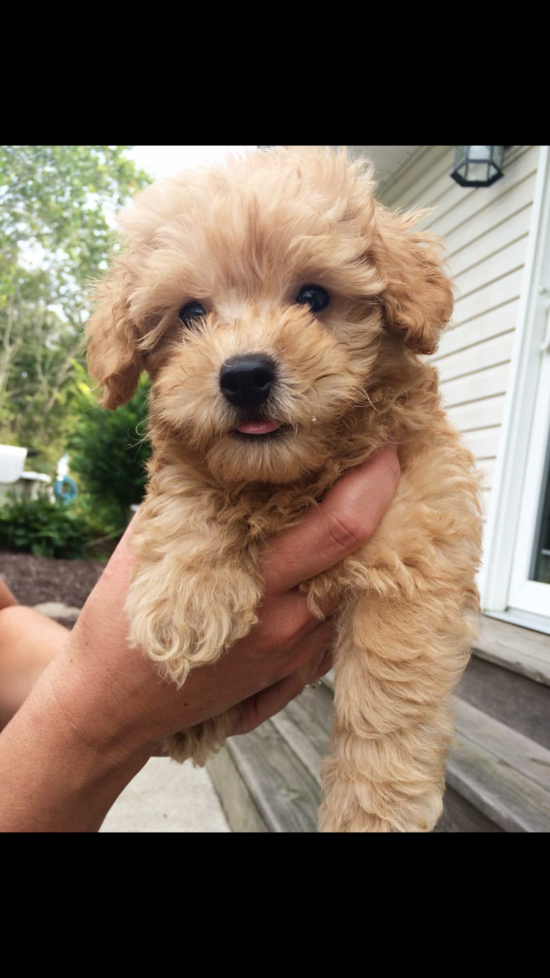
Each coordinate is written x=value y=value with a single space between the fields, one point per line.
x=313 y=296
x=191 y=312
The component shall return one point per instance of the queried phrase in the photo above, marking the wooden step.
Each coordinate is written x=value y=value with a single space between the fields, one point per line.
x=503 y=774
x=511 y=698
x=459 y=815
x=269 y=780
x=263 y=786
x=522 y=650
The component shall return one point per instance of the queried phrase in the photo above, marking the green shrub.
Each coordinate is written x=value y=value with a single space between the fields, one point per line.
x=107 y=455
x=43 y=528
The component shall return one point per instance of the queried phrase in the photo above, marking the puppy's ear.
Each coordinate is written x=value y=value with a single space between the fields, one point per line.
x=114 y=360
x=418 y=296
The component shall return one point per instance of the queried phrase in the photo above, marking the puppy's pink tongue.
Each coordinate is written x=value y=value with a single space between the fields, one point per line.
x=259 y=427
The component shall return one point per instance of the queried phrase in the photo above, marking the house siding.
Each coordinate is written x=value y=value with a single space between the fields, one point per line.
x=486 y=232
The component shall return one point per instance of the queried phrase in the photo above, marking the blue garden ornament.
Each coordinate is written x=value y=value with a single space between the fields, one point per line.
x=65 y=489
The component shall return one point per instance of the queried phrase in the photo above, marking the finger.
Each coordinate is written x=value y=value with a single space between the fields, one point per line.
x=344 y=521
x=307 y=650
x=259 y=708
x=290 y=618
x=317 y=667
x=325 y=665
x=302 y=668
x=272 y=700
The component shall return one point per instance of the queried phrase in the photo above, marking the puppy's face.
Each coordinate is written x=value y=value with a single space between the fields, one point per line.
x=266 y=299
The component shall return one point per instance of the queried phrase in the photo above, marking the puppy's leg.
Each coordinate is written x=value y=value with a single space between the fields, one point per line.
x=396 y=663
x=184 y=618
x=191 y=598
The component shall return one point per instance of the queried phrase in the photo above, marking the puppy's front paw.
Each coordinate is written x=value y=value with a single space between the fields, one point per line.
x=189 y=621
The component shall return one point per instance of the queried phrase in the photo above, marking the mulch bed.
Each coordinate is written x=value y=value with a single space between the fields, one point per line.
x=34 y=580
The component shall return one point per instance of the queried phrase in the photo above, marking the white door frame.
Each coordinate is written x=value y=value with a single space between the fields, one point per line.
x=507 y=497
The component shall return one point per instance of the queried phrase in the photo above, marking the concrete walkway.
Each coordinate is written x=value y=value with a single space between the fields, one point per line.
x=167 y=797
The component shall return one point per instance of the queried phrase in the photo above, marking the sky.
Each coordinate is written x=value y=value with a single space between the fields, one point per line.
x=167 y=161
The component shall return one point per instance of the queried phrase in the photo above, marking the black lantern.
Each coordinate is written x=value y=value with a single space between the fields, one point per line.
x=478 y=166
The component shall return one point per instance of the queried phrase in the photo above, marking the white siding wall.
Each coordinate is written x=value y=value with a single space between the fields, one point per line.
x=486 y=230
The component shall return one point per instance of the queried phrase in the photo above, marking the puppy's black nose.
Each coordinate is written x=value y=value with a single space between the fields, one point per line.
x=247 y=381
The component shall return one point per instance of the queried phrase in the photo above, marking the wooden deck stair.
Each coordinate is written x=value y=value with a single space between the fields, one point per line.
x=498 y=775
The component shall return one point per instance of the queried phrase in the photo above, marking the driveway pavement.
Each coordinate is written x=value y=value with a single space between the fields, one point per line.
x=167 y=797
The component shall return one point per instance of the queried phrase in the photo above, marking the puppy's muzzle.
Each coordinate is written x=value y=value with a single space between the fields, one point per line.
x=246 y=381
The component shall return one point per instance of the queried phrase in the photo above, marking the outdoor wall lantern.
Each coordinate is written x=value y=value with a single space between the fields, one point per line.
x=478 y=166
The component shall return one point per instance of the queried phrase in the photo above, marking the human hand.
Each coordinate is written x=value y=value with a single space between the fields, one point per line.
x=100 y=709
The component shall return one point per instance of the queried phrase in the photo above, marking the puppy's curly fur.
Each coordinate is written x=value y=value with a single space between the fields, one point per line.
x=242 y=239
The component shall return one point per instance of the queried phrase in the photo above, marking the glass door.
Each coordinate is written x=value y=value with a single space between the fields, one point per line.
x=530 y=584
x=540 y=570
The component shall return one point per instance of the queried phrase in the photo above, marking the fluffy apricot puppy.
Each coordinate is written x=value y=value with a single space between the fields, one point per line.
x=282 y=312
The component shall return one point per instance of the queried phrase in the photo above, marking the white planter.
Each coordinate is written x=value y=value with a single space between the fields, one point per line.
x=12 y=462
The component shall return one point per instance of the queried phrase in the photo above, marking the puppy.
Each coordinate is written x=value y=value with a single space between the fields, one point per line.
x=282 y=313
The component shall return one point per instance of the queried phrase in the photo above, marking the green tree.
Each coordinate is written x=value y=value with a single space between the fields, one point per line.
x=57 y=206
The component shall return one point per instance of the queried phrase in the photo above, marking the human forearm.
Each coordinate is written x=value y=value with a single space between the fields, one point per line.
x=53 y=780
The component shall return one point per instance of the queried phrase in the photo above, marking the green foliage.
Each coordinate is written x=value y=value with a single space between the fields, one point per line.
x=108 y=453
x=57 y=205
x=43 y=528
